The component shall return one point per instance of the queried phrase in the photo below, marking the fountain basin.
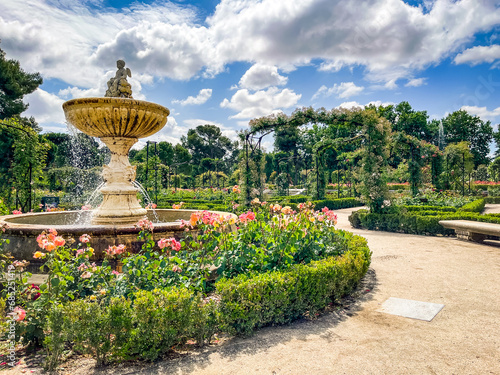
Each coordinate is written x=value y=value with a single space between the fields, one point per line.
x=23 y=230
x=116 y=117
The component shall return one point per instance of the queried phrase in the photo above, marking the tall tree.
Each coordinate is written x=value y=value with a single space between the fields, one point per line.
x=14 y=84
x=207 y=141
x=460 y=126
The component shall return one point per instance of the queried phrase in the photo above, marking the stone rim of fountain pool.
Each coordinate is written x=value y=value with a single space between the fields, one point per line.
x=23 y=229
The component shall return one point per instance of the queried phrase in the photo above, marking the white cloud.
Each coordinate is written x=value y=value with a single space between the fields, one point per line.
x=261 y=103
x=483 y=112
x=201 y=98
x=260 y=76
x=416 y=82
x=44 y=107
x=391 y=39
x=225 y=130
x=349 y=105
x=479 y=54
x=354 y=104
x=344 y=90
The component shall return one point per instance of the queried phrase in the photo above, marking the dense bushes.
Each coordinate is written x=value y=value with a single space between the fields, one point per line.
x=492 y=200
x=292 y=201
x=153 y=322
x=250 y=302
x=279 y=265
x=475 y=206
x=420 y=222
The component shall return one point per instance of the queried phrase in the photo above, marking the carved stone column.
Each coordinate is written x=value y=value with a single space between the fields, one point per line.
x=120 y=204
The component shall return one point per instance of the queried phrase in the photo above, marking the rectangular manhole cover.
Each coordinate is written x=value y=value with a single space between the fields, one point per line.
x=411 y=309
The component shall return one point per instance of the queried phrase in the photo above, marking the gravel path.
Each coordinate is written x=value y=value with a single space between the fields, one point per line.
x=463 y=338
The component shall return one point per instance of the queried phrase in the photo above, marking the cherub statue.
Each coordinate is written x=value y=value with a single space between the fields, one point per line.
x=118 y=86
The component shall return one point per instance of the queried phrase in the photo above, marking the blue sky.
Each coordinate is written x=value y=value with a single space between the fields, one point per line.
x=226 y=62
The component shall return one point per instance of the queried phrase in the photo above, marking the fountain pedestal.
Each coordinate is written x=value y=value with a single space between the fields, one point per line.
x=120 y=204
x=119 y=123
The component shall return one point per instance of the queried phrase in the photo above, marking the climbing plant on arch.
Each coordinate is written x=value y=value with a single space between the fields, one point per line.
x=357 y=124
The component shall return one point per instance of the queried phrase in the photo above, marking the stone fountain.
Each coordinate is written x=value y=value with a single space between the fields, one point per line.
x=119 y=121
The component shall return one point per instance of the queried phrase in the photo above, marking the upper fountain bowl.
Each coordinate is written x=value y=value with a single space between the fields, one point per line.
x=115 y=117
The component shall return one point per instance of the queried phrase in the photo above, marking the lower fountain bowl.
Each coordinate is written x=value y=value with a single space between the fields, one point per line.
x=22 y=230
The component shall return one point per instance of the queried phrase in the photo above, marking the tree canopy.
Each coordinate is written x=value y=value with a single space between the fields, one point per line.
x=14 y=84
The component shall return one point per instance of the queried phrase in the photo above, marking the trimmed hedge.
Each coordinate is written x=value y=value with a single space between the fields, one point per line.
x=475 y=206
x=337 y=204
x=412 y=208
x=250 y=302
x=290 y=198
x=492 y=200
x=426 y=222
x=158 y=320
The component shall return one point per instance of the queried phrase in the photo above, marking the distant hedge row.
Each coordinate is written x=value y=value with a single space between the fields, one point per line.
x=421 y=219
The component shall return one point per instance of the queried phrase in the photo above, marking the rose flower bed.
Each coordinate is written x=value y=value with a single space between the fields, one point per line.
x=271 y=265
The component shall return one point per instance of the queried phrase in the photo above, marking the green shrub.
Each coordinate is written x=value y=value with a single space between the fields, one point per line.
x=426 y=222
x=337 y=204
x=250 y=302
x=475 y=206
x=152 y=322
x=492 y=200
x=161 y=320
x=290 y=199
x=413 y=208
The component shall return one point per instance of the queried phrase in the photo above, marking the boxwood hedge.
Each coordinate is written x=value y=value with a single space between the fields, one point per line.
x=424 y=221
x=155 y=321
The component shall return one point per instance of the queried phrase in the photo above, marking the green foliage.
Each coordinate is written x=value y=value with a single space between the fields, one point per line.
x=475 y=206
x=373 y=185
x=459 y=163
x=153 y=322
x=420 y=222
x=494 y=169
x=24 y=165
x=432 y=198
x=460 y=126
x=14 y=84
x=249 y=302
x=492 y=200
x=428 y=208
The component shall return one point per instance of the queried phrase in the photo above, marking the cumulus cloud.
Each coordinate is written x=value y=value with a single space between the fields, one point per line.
x=479 y=54
x=225 y=130
x=415 y=82
x=201 y=98
x=44 y=107
x=261 y=103
x=344 y=90
x=354 y=104
x=74 y=42
x=69 y=40
x=260 y=76
x=483 y=112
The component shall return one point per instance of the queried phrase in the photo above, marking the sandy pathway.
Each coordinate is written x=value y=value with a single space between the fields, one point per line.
x=464 y=338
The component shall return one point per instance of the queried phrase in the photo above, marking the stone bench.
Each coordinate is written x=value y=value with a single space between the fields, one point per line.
x=472 y=230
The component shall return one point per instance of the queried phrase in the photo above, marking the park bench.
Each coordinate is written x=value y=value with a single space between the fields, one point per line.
x=472 y=230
